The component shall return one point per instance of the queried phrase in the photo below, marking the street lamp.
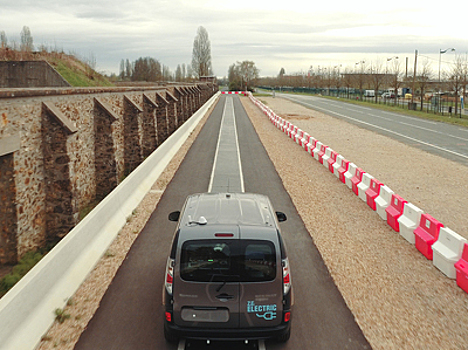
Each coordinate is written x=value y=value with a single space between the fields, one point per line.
x=440 y=57
x=386 y=65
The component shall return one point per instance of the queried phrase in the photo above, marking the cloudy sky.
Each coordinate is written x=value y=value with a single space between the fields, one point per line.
x=293 y=34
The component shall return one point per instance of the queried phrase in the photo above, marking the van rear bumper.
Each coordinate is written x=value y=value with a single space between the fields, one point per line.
x=228 y=334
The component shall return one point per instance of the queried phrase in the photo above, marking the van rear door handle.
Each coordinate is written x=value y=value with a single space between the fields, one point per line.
x=224 y=297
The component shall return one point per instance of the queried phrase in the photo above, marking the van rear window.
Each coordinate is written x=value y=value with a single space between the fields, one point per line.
x=228 y=260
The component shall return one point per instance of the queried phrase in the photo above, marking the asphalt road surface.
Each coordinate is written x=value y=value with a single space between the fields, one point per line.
x=131 y=315
x=446 y=140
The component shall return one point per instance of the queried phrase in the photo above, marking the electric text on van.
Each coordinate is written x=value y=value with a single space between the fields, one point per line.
x=227 y=276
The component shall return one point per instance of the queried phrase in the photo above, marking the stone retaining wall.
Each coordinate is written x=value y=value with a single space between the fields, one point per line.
x=62 y=149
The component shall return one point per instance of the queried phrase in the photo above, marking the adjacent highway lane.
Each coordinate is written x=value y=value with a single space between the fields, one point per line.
x=446 y=140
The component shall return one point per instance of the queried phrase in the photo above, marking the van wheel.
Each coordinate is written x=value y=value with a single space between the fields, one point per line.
x=284 y=337
x=170 y=336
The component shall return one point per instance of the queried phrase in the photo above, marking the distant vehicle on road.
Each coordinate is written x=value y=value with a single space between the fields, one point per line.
x=369 y=93
x=388 y=94
x=227 y=275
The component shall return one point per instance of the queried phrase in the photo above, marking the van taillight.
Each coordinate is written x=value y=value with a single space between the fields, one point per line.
x=286 y=276
x=169 y=275
x=168 y=316
x=287 y=316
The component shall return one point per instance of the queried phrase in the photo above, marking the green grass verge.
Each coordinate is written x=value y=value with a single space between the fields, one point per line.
x=26 y=263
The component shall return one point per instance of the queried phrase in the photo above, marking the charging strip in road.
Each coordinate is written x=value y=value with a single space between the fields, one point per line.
x=227 y=168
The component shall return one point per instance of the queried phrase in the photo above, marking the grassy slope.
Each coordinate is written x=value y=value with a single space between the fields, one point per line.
x=77 y=73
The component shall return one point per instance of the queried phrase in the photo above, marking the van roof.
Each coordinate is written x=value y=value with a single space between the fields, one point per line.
x=243 y=209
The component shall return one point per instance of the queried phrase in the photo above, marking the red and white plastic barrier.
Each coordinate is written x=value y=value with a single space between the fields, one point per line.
x=234 y=93
x=447 y=251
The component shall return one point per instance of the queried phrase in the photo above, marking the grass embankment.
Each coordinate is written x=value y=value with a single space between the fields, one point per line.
x=77 y=73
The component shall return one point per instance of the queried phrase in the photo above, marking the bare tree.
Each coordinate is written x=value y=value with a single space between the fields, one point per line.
x=122 y=70
x=3 y=39
x=26 y=40
x=423 y=80
x=242 y=75
x=128 y=69
x=201 y=54
x=457 y=78
x=395 y=82
x=178 y=73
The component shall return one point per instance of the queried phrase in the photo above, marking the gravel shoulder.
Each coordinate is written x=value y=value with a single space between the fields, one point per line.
x=398 y=298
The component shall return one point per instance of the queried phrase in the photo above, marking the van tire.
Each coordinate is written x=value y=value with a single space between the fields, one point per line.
x=170 y=336
x=284 y=337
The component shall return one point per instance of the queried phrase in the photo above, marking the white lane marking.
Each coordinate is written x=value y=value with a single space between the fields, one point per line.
x=210 y=186
x=392 y=132
x=241 y=177
x=181 y=345
x=261 y=345
x=411 y=118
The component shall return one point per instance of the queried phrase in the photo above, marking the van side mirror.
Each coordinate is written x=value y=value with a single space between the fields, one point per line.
x=174 y=216
x=281 y=216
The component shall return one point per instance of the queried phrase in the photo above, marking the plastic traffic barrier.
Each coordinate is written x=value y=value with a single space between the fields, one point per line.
x=409 y=221
x=373 y=192
x=311 y=145
x=337 y=165
x=364 y=185
x=326 y=156
x=321 y=153
x=461 y=266
x=305 y=140
x=447 y=250
x=298 y=136
x=332 y=160
x=343 y=169
x=356 y=180
x=394 y=211
x=293 y=131
x=317 y=150
x=349 y=174
x=383 y=201
x=426 y=234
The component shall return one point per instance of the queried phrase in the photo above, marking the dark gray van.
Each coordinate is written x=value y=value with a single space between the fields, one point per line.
x=227 y=276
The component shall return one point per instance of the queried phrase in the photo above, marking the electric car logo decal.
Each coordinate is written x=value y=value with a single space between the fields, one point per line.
x=267 y=312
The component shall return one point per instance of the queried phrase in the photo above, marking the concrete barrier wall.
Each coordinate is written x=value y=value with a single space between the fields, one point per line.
x=27 y=310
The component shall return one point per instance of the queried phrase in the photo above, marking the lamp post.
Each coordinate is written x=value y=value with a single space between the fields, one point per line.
x=361 y=77
x=440 y=57
x=451 y=49
x=386 y=65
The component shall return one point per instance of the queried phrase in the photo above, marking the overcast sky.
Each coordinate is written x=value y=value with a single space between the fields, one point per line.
x=292 y=34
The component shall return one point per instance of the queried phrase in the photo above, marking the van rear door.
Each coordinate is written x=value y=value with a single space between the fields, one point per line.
x=261 y=286
x=206 y=284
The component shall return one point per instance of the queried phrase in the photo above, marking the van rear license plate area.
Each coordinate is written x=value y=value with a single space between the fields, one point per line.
x=205 y=315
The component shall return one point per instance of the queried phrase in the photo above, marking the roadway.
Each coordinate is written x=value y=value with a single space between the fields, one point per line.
x=130 y=315
x=446 y=140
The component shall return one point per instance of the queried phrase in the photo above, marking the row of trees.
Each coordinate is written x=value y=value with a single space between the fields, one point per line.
x=151 y=70
x=378 y=77
x=26 y=43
